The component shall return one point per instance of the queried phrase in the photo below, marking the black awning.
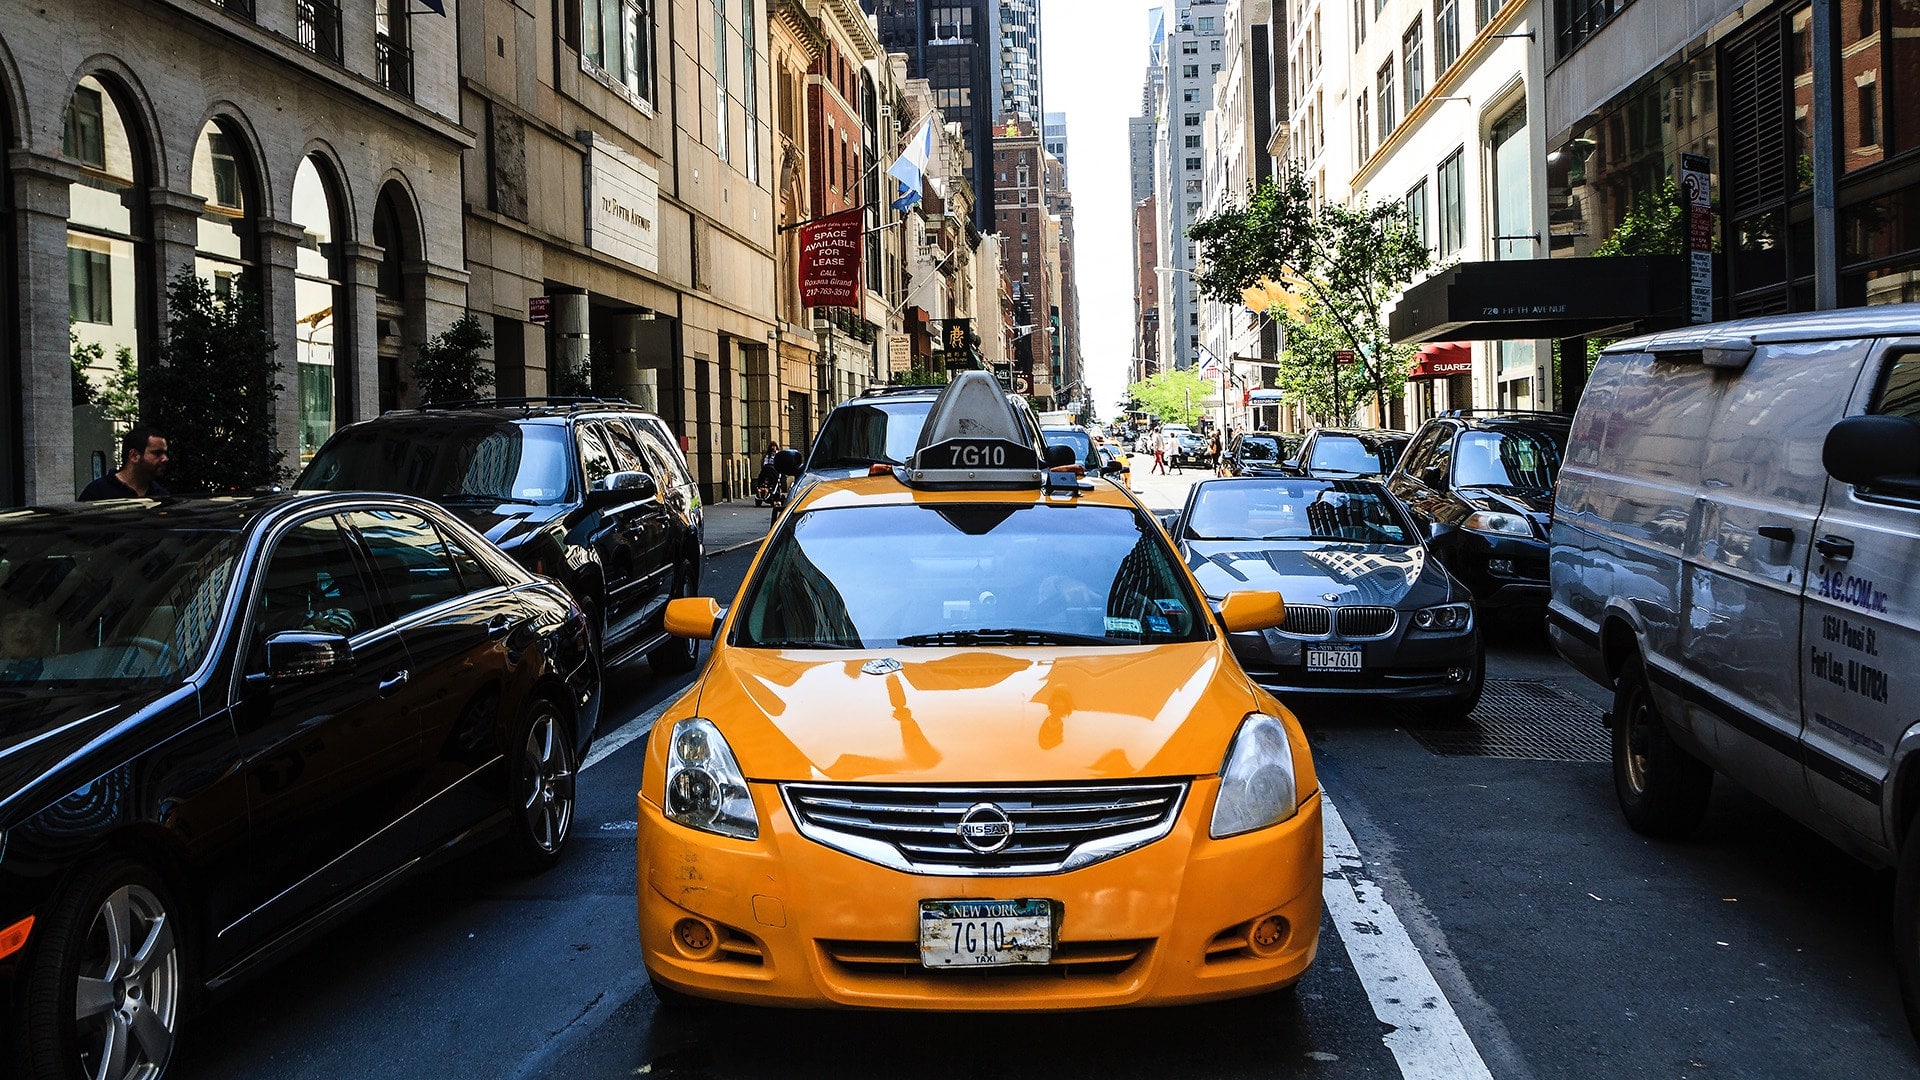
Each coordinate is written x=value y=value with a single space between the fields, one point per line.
x=1545 y=298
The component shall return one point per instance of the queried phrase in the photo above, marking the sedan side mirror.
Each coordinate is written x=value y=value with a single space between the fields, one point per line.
x=1060 y=455
x=695 y=617
x=1250 y=610
x=303 y=654
x=1876 y=452
x=789 y=463
x=623 y=487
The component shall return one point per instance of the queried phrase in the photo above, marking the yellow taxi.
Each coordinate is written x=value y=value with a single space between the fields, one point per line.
x=971 y=738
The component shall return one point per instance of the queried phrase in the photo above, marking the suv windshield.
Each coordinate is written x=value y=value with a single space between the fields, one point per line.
x=1296 y=510
x=864 y=433
x=1074 y=437
x=1517 y=459
x=82 y=604
x=486 y=460
x=1259 y=448
x=957 y=575
x=1360 y=455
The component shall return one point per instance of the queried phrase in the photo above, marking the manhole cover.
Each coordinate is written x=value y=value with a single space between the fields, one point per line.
x=1522 y=719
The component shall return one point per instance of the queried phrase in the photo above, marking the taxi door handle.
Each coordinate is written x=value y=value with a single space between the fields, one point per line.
x=1837 y=548
x=394 y=683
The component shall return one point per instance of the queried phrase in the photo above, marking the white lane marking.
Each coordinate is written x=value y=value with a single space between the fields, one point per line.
x=1427 y=1039
x=625 y=734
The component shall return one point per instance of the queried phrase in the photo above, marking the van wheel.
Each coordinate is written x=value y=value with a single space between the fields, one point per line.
x=1906 y=925
x=675 y=655
x=1662 y=789
x=104 y=992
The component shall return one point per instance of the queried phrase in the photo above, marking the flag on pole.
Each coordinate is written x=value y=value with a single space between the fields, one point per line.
x=1210 y=367
x=910 y=169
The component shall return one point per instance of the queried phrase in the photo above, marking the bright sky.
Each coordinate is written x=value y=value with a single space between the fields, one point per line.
x=1094 y=60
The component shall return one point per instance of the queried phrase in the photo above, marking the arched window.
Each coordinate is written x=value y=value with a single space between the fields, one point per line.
x=320 y=304
x=397 y=293
x=224 y=245
x=106 y=222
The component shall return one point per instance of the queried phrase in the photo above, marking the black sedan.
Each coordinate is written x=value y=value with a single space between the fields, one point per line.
x=1260 y=453
x=226 y=724
x=1369 y=612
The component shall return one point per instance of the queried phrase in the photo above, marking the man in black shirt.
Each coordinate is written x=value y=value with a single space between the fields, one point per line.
x=145 y=453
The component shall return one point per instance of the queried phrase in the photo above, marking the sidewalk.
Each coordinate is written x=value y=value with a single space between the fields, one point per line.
x=735 y=524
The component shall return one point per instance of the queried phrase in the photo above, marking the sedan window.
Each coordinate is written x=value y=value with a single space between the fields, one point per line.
x=870 y=433
x=1350 y=454
x=1296 y=510
x=410 y=560
x=312 y=583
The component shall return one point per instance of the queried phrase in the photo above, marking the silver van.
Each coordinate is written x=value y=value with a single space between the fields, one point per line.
x=1736 y=552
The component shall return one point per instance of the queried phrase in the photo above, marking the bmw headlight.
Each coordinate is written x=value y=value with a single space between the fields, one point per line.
x=1444 y=617
x=1494 y=523
x=705 y=788
x=1256 y=784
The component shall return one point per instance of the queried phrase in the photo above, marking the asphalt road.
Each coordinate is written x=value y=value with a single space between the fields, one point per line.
x=1564 y=944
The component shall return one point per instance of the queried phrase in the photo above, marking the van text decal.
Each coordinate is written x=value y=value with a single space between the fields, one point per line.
x=1853 y=591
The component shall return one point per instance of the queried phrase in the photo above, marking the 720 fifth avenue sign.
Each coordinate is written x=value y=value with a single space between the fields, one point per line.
x=623 y=204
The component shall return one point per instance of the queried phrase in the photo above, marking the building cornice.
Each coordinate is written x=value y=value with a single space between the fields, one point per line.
x=804 y=29
x=852 y=21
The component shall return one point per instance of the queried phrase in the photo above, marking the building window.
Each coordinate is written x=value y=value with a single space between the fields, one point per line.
x=1413 y=73
x=1189 y=71
x=617 y=44
x=1206 y=24
x=1485 y=10
x=1417 y=213
x=1362 y=125
x=1578 y=20
x=89 y=281
x=1186 y=96
x=84 y=139
x=392 y=47
x=1215 y=44
x=1512 y=189
x=1193 y=142
x=1189 y=48
x=1383 y=89
x=1190 y=120
x=1359 y=22
x=1446 y=34
x=720 y=110
x=1869 y=98
x=1216 y=70
x=750 y=87
x=1453 y=212
x=317 y=27
x=1193 y=164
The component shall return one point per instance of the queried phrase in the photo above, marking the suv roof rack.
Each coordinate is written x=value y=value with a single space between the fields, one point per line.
x=899 y=388
x=523 y=402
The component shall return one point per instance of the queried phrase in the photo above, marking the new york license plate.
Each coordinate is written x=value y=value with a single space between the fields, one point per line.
x=985 y=933
x=1335 y=658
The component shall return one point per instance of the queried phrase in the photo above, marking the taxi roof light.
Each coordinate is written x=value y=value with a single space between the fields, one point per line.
x=973 y=439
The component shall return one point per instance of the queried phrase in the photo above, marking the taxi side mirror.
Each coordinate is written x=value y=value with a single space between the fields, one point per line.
x=696 y=617
x=1249 y=610
x=789 y=463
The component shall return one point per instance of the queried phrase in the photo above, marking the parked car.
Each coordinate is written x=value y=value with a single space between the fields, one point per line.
x=1482 y=484
x=1736 y=541
x=1260 y=453
x=882 y=427
x=1370 y=612
x=1082 y=443
x=225 y=725
x=1348 y=453
x=1189 y=447
x=592 y=493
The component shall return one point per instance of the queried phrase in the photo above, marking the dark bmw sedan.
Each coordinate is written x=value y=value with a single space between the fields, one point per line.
x=1369 y=611
x=226 y=724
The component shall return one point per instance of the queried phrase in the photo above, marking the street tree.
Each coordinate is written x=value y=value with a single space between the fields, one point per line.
x=451 y=365
x=1346 y=264
x=1177 y=397
x=212 y=388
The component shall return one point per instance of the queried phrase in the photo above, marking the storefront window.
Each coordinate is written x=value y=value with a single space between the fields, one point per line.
x=103 y=225
x=1512 y=189
x=319 y=304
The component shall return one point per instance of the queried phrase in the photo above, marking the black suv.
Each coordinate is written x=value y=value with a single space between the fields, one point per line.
x=1486 y=479
x=1259 y=453
x=593 y=493
x=1348 y=453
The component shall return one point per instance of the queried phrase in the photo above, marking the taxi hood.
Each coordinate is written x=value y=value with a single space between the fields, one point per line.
x=972 y=715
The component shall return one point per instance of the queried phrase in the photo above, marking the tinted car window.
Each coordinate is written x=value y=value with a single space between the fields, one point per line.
x=596 y=461
x=626 y=451
x=870 y=433
x=1352 y=454
x=312 y=583
x=447 y=462
x=666 y=461
x=1900 y=395
x=964 y=568
x=81 y=605
x=1516 y=459
x=1259 y=448
x=1074 y=437
x=410 y=560
x=1295 y=510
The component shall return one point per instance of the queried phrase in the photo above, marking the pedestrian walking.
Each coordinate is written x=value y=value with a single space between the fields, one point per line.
x=144 y=462
x=1159 y=453
x=1213 y=451
x=1172 y=442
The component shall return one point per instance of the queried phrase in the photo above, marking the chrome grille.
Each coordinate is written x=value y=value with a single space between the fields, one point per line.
x=1056 y=827
x=1307 y=621
x=1366 y=621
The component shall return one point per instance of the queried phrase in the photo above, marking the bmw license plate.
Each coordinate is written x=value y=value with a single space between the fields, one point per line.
x=985 y=933
x=1334 y=658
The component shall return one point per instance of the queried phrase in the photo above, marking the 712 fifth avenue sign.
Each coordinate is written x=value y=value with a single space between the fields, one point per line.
x=830 y=260
x=623 y=204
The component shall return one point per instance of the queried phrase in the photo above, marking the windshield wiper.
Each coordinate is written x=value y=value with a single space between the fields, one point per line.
x=1002 y=636
x=854 y=461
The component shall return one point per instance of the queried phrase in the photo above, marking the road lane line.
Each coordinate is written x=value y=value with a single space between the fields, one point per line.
x=1427 y=1038
x=625 y=734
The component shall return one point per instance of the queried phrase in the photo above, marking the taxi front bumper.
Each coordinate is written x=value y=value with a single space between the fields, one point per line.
x=792 y=922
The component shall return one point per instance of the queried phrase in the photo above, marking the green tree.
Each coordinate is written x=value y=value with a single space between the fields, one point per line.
x=84 y=357
x=569 y=379
x=1347 y=263
x=1654 y=226
x=1177 y=397
x=450 y=366
x=1307 y=370
x=211 y=390
x=919 y=376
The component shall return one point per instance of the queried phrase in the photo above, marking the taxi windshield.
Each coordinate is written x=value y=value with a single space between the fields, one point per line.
x=872 y=577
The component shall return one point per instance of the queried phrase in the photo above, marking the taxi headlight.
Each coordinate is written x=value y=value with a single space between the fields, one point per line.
x=1498 y=524
x=1256 y=783
x=705 y=788
x=1444 y=617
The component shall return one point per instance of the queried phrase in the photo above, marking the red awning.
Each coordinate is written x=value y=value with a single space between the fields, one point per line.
x=1439 y=360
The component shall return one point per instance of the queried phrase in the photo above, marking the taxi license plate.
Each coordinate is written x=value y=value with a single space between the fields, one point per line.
x=985 y=933
x=1336 y=658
